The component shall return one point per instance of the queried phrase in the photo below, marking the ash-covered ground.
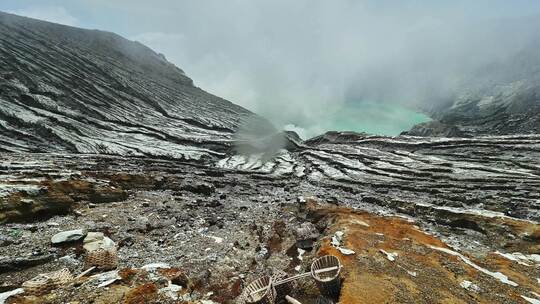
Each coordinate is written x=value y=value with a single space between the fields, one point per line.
x=212 y=230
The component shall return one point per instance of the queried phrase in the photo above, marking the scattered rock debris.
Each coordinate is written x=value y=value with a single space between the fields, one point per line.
x=391 y=256
x=174 y=245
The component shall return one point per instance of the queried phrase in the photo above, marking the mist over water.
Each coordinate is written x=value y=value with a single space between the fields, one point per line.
x=359 y=65
x=379 y=118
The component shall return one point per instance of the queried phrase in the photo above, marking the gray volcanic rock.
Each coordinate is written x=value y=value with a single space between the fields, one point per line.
x=491 y=173
x=68 y=236
x=64 y=89
x=502 y=99
x=478 y=196
x=513 y=109
x=435 y=128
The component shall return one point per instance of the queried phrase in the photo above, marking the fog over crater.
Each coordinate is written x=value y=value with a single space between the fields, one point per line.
x=305 y=63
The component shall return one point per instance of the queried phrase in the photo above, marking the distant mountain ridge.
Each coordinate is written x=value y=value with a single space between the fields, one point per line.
x=514 y=109
x=502 y=99
x=65 y=89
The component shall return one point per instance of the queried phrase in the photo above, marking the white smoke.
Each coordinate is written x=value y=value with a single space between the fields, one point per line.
x=296 y=62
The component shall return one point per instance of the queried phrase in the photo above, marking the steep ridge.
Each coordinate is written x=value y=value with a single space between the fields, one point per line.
x=64 y=89
x=514 y=109
x=501 y=99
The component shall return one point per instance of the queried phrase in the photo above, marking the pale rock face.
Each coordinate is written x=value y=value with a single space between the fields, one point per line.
x=96 y=240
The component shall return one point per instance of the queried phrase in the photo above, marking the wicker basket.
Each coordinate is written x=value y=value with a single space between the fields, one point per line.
x=104 y=259
x=45 y=283
x=260 y=291
x=328 y=282
x=283 y=289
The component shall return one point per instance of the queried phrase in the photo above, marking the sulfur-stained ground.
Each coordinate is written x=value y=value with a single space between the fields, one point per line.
x=419 y=273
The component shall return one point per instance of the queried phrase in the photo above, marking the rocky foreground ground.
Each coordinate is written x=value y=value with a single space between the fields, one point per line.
x=412 y=221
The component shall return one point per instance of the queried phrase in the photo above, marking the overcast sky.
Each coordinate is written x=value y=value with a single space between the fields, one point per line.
x=296 y=61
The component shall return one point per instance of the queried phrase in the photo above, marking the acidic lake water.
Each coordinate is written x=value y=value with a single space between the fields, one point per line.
x=370 y=117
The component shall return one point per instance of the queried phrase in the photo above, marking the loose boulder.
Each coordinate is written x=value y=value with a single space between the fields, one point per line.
x=306 y=235
x=96 y=240
x=68 y=236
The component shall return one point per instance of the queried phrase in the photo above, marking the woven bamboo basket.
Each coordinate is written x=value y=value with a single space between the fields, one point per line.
x=45 y=283
x=328 y=282
x=283 y=289
x=104 y=259
x=260 y=291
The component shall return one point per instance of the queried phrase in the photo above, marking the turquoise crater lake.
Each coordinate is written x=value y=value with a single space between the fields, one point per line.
x=370 y=117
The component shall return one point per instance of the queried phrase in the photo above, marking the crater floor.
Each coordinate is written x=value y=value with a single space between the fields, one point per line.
x=458 y=216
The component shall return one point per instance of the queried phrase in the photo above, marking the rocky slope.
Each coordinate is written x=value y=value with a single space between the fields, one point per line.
x=503 y=98
x=64 y=89
x=512 y=109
